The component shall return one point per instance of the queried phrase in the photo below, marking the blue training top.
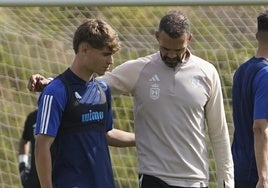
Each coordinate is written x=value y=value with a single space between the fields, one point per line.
x=78 y=114
x=250 y=101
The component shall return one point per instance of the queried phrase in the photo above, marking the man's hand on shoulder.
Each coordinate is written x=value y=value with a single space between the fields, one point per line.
x=37 y=82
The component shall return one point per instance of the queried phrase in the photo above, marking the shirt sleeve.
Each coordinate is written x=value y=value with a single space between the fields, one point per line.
x=116 y=79
x=260 y=88
x=106 y=88
x=219 y=134
x=51 y=105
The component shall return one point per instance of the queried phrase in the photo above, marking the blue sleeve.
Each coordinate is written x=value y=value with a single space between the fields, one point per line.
x=107 y=90
x=260 y=87
x=51 y=105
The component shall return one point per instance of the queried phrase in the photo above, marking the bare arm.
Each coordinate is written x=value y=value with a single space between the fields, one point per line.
x=119 y=138
x=24 y=147
x=37 y=82
x=43 y=160
x=260 y=129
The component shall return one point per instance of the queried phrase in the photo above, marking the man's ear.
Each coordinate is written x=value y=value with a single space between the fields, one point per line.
x=157 y=35
x=83 y=47
x=190 y=36
x=257 y=35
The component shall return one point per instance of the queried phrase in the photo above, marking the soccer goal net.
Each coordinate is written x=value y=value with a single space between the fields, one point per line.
x=38 y=39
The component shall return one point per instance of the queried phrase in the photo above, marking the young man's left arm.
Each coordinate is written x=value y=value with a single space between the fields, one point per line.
x=119 y=138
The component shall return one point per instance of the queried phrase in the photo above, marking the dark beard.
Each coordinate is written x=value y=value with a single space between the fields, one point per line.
x=171 y=62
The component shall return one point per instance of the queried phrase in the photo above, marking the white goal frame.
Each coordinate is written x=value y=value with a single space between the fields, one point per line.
x=128 y=2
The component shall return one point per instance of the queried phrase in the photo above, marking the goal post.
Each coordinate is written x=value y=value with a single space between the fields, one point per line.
x=128 y=2
x=36 y=37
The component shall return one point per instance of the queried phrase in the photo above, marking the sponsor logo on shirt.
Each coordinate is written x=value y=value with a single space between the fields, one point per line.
x=92 y=116
x=154 y=90
x=154 y=79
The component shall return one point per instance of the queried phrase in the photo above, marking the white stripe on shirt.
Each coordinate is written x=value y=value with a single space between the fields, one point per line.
x=46 y=113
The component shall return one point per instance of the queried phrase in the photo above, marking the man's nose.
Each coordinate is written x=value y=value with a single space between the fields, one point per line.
x=110 y=60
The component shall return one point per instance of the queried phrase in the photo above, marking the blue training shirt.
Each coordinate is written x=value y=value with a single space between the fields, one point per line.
x=250 y=101
x=78 y=114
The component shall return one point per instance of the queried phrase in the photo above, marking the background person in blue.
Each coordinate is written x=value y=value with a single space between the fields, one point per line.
x=250 y=115
x=75 y=116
